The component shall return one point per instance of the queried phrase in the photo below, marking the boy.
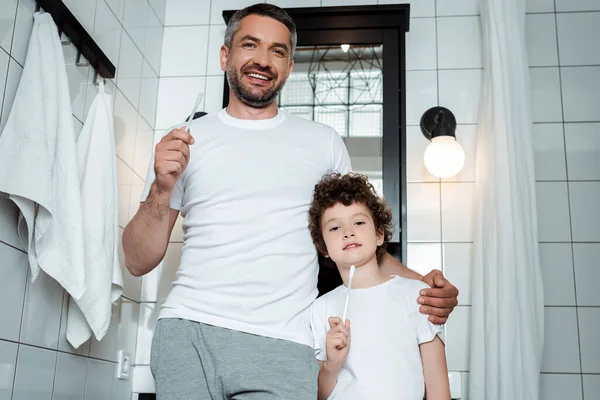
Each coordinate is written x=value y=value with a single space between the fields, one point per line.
x=392 y=351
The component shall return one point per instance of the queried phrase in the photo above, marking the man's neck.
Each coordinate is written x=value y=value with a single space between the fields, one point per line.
x=239 y=110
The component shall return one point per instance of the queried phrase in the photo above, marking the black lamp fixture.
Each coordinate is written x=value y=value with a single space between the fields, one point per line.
x=444 y=157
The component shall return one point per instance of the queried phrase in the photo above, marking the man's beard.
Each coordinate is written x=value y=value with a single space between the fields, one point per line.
x=252 y=98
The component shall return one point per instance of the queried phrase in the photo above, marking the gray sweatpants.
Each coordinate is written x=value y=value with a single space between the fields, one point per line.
x=191 y=360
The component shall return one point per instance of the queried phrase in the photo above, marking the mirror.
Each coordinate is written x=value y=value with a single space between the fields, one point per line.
x=342 y=88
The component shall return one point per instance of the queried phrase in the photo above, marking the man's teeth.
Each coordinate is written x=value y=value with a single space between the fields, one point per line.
x=264 y=78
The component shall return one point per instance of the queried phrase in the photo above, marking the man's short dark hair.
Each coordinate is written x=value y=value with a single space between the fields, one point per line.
x=264 y=10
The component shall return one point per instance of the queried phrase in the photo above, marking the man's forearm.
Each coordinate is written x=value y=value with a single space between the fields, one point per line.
x=392 y=266
x=146 y=237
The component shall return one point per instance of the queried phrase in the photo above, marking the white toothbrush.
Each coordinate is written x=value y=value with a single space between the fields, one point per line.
x=191 y=118
x=352 y=270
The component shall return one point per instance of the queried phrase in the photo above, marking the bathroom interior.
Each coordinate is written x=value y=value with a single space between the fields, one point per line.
x=164 y=52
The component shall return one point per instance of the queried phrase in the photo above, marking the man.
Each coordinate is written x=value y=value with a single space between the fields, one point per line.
x=236 y=323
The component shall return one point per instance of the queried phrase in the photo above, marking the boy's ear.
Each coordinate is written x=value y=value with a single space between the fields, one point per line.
x=380 y=237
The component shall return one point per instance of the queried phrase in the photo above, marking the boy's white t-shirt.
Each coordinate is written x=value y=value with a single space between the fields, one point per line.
x=384 y=361
x=248 y=262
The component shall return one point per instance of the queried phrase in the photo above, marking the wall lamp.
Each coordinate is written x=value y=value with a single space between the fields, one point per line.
x=444 y=156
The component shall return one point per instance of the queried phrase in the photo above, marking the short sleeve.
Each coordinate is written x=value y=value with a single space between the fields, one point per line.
x=340 y=157
x=426 y=331
x=318 y=327
x=176 y=201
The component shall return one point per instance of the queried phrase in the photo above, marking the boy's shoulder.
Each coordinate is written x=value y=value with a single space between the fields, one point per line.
x=408 y=288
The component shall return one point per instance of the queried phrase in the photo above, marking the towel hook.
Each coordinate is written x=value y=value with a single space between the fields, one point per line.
x=96 y=81
x=78 y=60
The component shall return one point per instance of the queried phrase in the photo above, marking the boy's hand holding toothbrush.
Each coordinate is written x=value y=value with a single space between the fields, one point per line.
x=337 y=343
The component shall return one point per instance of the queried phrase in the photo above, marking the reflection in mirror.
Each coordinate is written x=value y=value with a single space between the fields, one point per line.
x=342 y=87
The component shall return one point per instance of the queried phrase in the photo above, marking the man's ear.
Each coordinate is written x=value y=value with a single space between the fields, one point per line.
x=224 y=54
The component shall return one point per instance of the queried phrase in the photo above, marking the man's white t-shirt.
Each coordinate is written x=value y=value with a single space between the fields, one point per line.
x=384 y=361
x=248 y=262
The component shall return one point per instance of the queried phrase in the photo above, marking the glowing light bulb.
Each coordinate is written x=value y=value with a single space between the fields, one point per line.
x=345 y=48
x=444 y=157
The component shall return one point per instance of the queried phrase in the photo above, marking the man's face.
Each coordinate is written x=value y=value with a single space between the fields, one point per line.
x=258 y=63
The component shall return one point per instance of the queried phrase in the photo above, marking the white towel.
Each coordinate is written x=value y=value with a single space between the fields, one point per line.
x=98 y=173
x=38 y=163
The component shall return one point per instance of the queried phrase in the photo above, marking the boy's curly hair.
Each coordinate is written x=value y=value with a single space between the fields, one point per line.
x=348 y=189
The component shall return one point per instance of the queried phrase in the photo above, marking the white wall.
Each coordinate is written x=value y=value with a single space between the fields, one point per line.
x=444 y=67
x=36 y=360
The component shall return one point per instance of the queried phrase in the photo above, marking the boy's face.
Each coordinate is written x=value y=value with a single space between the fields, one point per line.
x=350 y=235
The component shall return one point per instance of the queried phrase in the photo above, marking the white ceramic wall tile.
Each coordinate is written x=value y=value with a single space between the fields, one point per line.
x=41 y=313
x=174 y=96
x=125 y=176
x=421 y=94
x=107 y=32
x=146 y=327
x=328 y=3
x=8 y=223
x=106 y=349
x=63 y=343
x=545 y=95
x=69 y=381
x=34 y=365
x=153 y=41
x=577 y=33
x=459 y=92
x=137 y=187
x=539 y=6
x=581 y=93
x=187 y=12
x=416 y=144
x=128 y=327
x=214 y=93
x=132 y=285
x=125 y=128
x=583 y=151
x=589 y=325
x=13 y=275
x=121 y=389
x=23 y=25
x=591 y=386
x=561 y=343
x=143 y=381
x=458 y=212
x=12 y=83
x=143 y=148
x=418 y=8
x=457 y=7
x=148 y=94
x=129 y=73
x=553 y=212
x=134 y=21
x=295 y=3
x=4 y=62
x=178 y=58
x=457 y=339
x=8 y=360
x=585 y=215
x=560 y=387
x=7 y=23
x=215 y=41
x=217 y=7
x=459 y=42
x=556 y=260
x=424 y=257
x=77 y=78
x=587 y=273
x=577 y=5
x=540 y=35
x=177 y=233
x=549 y=152
x=458 y=265
x=159 y=8
x=84 y=11
x=466 y=135
x=157 y=284
x=117 y=7
x=423 y=212
x=421 y=45
x=100 y=379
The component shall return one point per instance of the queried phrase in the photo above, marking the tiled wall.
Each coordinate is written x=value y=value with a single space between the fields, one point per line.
x=36 y=361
